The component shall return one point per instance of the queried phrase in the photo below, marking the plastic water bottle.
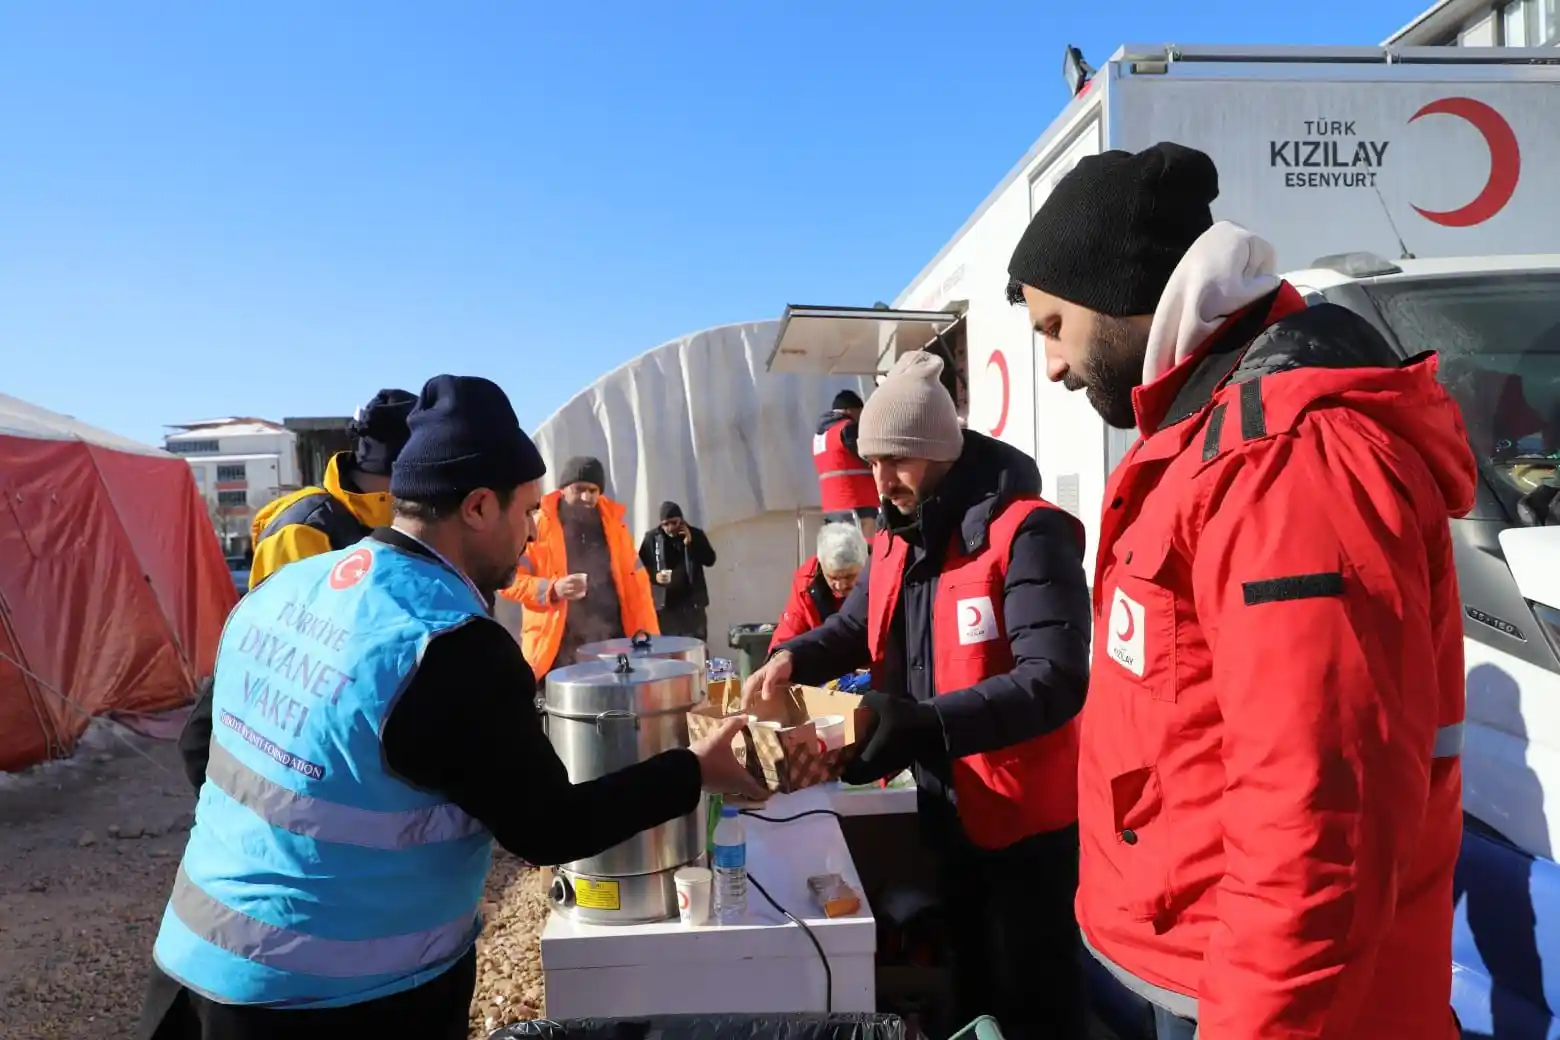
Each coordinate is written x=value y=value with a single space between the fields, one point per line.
x=730 y=864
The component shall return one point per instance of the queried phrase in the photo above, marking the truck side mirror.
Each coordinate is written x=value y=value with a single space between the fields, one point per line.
x=1076 y=71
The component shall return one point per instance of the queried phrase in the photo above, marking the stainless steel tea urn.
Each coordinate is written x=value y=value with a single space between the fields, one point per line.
x=603 y=716
x=643 y=644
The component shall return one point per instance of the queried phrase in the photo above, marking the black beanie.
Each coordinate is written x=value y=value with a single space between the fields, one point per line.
x=847 y=399
x=464 y=436
x=379 y=430
x=582 y=469
x=1113 y=230
x=670 y=511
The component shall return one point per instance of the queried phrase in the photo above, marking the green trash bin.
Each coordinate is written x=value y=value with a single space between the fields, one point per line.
x=751 y=642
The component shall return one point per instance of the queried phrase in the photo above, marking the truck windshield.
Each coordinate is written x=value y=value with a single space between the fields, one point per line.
x=1498 y=335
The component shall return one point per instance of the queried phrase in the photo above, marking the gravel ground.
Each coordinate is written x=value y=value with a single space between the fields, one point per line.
x=509 y=955
x=88 y=849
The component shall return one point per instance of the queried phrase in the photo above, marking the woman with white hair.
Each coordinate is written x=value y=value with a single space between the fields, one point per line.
x=822 y=583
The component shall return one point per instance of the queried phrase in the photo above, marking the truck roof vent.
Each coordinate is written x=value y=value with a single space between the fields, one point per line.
x=1357 y=265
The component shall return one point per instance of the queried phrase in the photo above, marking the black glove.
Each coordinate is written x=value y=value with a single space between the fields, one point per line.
x=902 y=731
x=1540 y=507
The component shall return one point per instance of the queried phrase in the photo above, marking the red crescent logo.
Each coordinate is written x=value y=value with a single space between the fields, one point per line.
x=976 y=611
x=1505 y=161
x=682 y=899
x=350 y=569
x=1000 y=363
x=1125 y=634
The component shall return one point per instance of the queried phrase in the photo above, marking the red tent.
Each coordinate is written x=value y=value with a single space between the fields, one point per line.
x=113 y=589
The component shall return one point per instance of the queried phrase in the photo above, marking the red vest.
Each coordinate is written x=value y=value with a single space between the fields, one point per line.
x=1011 y=793
x=844 y=482
x=803 y=611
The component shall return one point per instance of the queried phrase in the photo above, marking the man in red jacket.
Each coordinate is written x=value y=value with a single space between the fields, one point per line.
x=845 y=487
x=973 y=614
x=1269 y=782
x=821 y=583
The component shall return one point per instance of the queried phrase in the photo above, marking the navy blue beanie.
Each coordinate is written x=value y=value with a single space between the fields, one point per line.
x=464 y=436
x=379 y=431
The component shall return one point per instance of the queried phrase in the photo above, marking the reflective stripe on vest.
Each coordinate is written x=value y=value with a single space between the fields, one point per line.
x=1010 y=793
x=844 y=480
x=315 y=877
x=284 y=950
x=316 y=818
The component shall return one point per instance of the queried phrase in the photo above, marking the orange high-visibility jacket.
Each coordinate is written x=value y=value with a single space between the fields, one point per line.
x=545 y=561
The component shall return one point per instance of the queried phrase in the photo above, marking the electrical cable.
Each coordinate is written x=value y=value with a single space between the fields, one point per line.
x=828 y=971
x=788 y=819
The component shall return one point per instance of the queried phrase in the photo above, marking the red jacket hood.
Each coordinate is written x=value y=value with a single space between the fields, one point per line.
x=1325 y=356
x=1410 y=401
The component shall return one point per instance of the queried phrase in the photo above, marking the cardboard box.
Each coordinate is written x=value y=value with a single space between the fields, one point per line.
x=786 y=759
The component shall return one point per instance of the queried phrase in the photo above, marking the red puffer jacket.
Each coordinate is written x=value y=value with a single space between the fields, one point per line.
x=809 y=606
x=1269 y=782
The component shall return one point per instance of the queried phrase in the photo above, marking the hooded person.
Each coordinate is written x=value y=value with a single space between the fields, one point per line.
x=1269 y=780
x=676 y=554
x=352 y=498
x=581 y=581
x=376 y=724
x=972 y=612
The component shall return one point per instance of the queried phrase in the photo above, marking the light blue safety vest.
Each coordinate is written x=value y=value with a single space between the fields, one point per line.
x=313 y=876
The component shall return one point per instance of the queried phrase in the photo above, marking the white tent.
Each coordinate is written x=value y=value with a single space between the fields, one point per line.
x=20 y=418
x=700 y=422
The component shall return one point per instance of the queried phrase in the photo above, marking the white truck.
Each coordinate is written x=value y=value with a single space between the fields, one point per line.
x=1417 y=187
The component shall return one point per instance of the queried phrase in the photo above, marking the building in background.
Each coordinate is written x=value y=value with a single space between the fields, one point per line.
x=239 y=464
x=318 y=439
x=1483 y=23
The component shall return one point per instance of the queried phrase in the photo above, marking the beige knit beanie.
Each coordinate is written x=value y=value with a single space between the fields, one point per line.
x=911 y=416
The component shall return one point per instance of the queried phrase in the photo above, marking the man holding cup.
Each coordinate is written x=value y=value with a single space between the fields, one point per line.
x=581 y=580
x=676 y=554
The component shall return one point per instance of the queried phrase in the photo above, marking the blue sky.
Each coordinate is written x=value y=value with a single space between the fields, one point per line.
x=277 y=208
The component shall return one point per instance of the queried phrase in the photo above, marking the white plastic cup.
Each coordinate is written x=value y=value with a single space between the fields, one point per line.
x=830 y=730
x=695 y=886
x=757 y=723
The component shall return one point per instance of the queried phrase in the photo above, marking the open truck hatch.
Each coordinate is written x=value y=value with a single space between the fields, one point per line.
x=853 y=341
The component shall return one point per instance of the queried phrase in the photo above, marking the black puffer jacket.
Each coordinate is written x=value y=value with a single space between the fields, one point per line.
x=1046 y=610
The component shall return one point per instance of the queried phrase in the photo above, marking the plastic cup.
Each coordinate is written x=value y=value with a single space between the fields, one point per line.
x=830 y=730
x=695 y=886
x=757 y=723
x=584 y=580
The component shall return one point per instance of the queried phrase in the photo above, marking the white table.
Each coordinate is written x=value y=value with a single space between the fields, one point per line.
x=765 y=965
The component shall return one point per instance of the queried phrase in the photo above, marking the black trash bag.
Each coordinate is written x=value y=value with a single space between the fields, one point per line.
x=860 y=1026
